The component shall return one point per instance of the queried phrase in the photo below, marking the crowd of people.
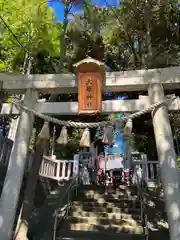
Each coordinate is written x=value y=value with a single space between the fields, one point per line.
x=92 y=173
x=114 y=177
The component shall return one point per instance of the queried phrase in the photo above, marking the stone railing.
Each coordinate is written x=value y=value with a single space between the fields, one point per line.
x=150 y=168
x=63 y=169
x=151 y=171
x=55 y=169
x=5 y=150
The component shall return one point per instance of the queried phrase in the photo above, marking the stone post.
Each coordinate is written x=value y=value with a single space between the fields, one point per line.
x=127 y=147
x=167 y=160
x=13 y=128
x=17 y=163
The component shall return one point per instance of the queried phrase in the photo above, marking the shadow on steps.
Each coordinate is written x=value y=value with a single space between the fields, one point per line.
x=42 y=220
x=92 y=203
x=96 y=213
x=89 y=235
x=159 y=234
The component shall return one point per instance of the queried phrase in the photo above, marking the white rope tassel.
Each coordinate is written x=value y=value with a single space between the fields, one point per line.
x=44 y=133
x=108 y=135
x=85 y=139
x=128 y=128
x=63 y=138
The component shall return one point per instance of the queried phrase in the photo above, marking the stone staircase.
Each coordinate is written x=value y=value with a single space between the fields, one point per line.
x=100 y=214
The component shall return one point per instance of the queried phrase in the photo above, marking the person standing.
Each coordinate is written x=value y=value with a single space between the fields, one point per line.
x=89 y=167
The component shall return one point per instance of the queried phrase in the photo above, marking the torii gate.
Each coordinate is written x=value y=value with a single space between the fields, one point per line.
x=153 y=81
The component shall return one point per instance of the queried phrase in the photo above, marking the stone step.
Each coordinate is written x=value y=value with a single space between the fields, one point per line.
x=115 y=215
x=102 y=189
x=82 y=235
x=110 y=199
x=90 y=195
x=137 y=229
x=92 y=187
x=103 y=221
x=120 y=236
x=87 y=208
x=116 y=194
x=102 y=204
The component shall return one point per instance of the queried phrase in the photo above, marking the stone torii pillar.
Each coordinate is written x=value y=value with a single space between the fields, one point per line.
x=17 y=163
x=167 y=160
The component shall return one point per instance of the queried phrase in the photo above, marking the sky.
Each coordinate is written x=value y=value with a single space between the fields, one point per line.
x=58 y=7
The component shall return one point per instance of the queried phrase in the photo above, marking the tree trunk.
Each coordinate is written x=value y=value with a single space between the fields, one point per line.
x=63 y=46
x=147 y=20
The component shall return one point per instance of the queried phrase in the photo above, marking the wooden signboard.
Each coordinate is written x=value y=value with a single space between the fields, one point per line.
x=89 y=92
x=111 y=162
x=90 y=74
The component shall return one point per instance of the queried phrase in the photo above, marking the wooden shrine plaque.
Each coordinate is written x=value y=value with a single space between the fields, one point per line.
x=89 y=92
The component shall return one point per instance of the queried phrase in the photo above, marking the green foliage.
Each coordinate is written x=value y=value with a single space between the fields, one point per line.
x=67 y=151
x=134 y=35
x=34 y=25
x=178 y=162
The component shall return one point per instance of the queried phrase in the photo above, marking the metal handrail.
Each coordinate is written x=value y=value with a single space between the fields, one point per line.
x=56 y=215
x=141 y=191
